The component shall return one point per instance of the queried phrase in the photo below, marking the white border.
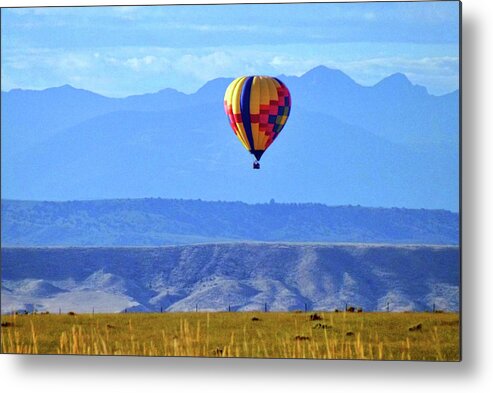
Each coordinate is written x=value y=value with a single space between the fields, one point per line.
x=110 y=374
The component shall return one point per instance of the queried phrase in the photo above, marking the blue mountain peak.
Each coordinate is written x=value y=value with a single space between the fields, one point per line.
x=218 y=84
x=67 y=87
x=350 y=136
x=397 y=79
x=322 y=73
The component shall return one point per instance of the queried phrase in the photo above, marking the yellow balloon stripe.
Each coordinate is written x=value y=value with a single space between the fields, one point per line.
x=276 y=83
x=254 y=110
x=227 y=95
x=228 y=98
x=272 y=91
x=265 y=91
x=232 y=89
x=265 y=94
x=260 y=135
x=235 y=102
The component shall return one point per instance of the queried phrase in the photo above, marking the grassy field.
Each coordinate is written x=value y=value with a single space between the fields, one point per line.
x=379 y=336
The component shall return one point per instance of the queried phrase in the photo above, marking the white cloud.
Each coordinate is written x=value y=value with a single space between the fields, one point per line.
x=292 y=65
x=138 y=63
x=439 y=74
x=130 y=70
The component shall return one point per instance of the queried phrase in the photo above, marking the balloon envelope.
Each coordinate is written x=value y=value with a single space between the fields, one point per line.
x=258 y=108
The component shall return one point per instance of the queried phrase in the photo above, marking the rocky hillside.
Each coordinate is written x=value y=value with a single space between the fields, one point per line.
x=244 y=276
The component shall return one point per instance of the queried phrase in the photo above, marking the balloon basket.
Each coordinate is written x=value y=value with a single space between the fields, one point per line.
x=256 y=165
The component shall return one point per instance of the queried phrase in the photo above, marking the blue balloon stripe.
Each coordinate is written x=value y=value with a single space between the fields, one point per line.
x=245 y=111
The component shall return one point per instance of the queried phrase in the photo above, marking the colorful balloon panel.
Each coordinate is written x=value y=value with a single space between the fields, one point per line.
x=258 y=108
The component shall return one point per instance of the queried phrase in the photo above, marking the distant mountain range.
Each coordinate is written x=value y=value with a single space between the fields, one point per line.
x=391 y=144
x=156 y=222
x=242 y=276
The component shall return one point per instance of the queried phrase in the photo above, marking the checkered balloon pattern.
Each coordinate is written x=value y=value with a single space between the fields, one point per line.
x=258 y=108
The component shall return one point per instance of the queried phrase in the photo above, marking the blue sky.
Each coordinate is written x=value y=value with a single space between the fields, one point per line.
x=119 y=51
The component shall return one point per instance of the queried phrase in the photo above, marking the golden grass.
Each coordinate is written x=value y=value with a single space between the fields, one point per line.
x=377 y=336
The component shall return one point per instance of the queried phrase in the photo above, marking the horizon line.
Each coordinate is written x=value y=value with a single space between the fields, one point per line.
x=321 y=66
x=271 y=202
x=246 y=242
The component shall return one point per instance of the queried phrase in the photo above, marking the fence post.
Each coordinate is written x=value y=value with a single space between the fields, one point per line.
x=388 y=306
x=196 y=307
x=433 y=307
x=229 y=307
x=306 y=309
x=265 y=307
x=161 y=309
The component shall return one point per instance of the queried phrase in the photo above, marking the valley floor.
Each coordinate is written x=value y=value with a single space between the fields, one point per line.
x=315 y=335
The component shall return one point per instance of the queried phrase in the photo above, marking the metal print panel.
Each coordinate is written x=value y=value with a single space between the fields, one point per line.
x=256 y=180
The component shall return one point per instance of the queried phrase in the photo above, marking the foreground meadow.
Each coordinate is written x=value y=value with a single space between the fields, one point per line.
x=343 y=335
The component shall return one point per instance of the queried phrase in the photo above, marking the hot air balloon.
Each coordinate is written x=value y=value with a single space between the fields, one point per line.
x=258 y=108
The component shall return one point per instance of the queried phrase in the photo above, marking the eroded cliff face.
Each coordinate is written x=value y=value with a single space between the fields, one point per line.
x=242 y=276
